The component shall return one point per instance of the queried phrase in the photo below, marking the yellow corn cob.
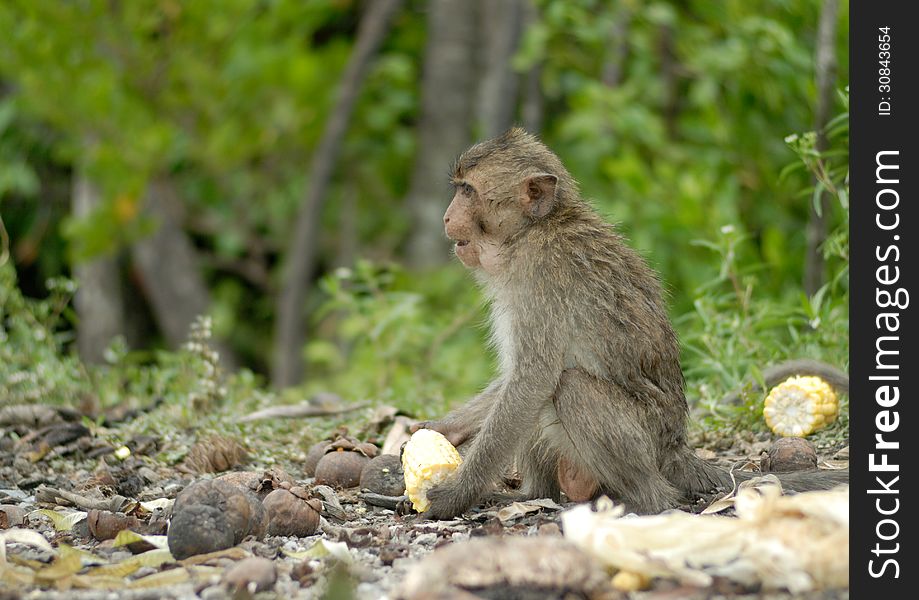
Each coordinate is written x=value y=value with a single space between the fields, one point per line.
x=428 y=459
x=800 y=406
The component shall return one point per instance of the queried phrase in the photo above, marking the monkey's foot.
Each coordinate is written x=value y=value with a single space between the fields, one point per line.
x=449 y=500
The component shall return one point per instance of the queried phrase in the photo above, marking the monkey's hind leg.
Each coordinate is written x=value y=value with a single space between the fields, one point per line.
x=537 y=463
x=606 y=435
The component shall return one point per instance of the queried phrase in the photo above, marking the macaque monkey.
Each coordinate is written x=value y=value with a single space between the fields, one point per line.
x=589 y=395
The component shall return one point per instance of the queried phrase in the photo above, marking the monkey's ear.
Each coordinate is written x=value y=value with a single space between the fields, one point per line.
x=538 y=194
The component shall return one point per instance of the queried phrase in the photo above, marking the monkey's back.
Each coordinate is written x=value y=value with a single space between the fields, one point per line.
x=615 y=323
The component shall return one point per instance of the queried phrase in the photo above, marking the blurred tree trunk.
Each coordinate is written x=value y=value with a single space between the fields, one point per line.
x=532 y=105
x=825 y=67
x=300 y=256
x=170 y=272
x=501 y=24
x=447 y=96
x=670 y=79
x=348 y=237
x=98 y=301
x=619 y=48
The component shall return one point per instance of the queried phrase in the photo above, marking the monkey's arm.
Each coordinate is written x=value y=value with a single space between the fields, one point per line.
x=513 y=417
x=463 y=423
x=805 y=366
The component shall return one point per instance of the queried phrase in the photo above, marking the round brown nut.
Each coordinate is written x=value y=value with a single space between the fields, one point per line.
x=199 y=529
x=313 y=456
x=384 y=475
x=291 y=516
x=790 y=454
x=212 y=515
x=341 y=469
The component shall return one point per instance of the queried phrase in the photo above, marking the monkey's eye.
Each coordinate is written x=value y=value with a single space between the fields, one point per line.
x=466 y=189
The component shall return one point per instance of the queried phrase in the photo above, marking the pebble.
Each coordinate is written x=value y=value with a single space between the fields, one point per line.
x=426 y=539
x=215 y=592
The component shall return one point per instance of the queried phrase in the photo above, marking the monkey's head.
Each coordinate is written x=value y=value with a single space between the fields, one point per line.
x=502 y=186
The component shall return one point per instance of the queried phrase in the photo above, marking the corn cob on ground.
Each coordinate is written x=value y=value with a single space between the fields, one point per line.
x=428 y=459
x=800 y=406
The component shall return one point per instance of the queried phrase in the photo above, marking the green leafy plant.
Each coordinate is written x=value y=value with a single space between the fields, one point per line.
x=399 y=340
x=734 y=328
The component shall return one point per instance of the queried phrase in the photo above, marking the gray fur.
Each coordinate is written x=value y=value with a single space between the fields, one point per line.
x=589 y=362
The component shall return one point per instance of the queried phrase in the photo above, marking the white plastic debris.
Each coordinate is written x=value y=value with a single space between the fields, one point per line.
x=799 y=543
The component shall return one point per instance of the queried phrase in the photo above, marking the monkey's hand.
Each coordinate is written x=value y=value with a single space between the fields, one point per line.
x=450 y=498
x=455 y=433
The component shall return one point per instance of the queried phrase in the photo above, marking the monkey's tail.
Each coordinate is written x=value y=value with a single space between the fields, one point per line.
x=837 y=378
x=693 y=475
x=804 y=481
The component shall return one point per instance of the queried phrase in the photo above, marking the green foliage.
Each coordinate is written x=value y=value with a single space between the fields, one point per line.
x=393 y=339
x=689 y=139
x=227 y=98
x=735 y=329
x=33 y=367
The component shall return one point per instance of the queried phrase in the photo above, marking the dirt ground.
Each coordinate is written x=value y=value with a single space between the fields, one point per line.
x=359 y=550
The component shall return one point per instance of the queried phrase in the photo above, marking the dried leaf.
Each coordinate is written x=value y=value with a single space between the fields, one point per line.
x=158 y=504
x=757 y=483
x=164 y=578
x=116 y=503
x=234 y=553
x=60 y=568
x=87 y=558
x=126 y=537
x=62 y=521
x=322 y=549
x=515 y=510
x=23 y=536
x=153 y=558
x=16 y=577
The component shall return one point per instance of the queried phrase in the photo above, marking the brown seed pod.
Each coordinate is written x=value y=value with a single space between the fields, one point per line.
x=789 y=454
x=212 y=515
x=384 y=475
x=291 y=515
x=341 y=468
x=261 y=483
x=315 y=453
x=105 y=525
x=367 y=449
x=214 y=455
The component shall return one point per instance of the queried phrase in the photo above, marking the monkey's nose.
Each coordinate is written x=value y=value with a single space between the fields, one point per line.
x=446 y=219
